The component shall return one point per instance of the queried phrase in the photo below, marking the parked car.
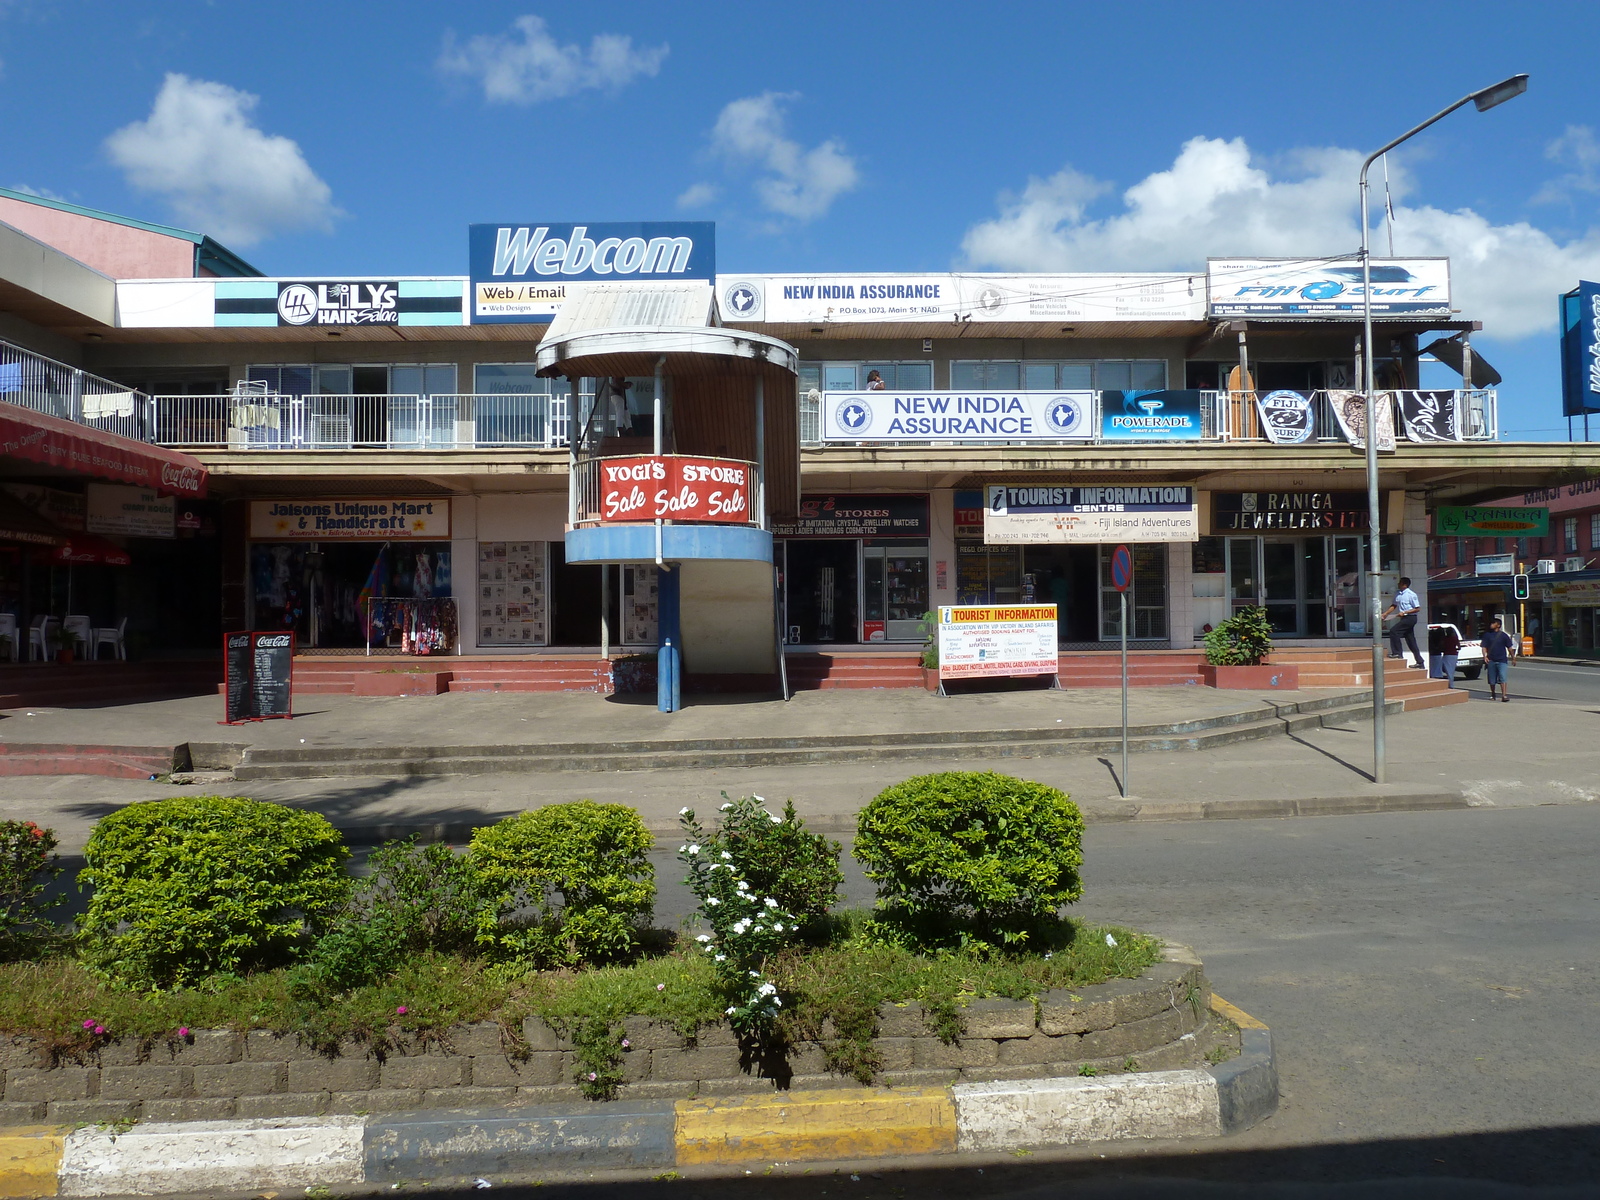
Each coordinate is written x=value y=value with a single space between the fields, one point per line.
x=1469 y=663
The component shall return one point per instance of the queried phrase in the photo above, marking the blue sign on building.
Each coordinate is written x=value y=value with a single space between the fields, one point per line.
x=1580 y=350
x=520 y=273
x=1164 y=416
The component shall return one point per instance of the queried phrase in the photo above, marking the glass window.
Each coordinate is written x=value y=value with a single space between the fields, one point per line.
x=1148 y=376
x=302 y=380
x=839 y=379
x=1077 y=375
x=434 y=379
x=975 y=376
x=1594 y=531
x=1147 y=597
x=1569 y=535
x=1039 y=377
x=900 y=377
x=1113 y=376
x=502 y=379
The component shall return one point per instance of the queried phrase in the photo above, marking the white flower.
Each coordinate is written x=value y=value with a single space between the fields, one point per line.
x=776 y=1003
x=712 y=900
x=759 y=799
x=694 y=849
x=683 y=812
x=682 y=848
x=726 y=807
x=722 y=958
x=775 y=820
x=758 y=929
x=704 y=937
x=728 y=1011
x=766 y=989
x=755 y=974
x=741 y=925
x=742 y=886
x=1110 y=941
x=778 y=926
x=770 y=902
x=725 y=854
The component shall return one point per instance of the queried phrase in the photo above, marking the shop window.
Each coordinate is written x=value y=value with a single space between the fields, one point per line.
x=852 y=377
x=512 y=406
x=1207 y=556
x=308 y=380
x=513 y=593
x=1109 y=374
x=640 y=614
x=1147 y=597
x=988 y=574
x=985 y=376
x=1569 y=535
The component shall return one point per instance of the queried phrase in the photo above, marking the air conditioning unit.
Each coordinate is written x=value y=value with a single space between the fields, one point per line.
x=1574 y=564
x=1546 y=566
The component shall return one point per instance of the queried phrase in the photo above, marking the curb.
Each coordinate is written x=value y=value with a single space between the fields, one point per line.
x=803 y=1126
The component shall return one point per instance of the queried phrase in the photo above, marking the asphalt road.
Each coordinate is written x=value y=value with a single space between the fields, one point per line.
x=1546 y=679
x=1430 y=978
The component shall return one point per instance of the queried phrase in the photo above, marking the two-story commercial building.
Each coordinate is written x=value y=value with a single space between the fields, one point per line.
x=407 y=463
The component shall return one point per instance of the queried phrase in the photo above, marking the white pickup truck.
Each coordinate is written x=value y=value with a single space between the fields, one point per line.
x=1469 y=663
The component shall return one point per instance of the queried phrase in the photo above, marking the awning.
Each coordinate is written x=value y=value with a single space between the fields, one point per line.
x=71 y=447
x=19 y=523
x=84 y=549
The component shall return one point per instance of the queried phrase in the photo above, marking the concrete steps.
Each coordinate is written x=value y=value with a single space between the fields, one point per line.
x=1272 y=719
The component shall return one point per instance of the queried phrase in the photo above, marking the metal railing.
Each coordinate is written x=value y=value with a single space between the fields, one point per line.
x=57 y=390
x=396 y=421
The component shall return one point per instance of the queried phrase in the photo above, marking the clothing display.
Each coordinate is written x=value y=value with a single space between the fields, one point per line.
x=420 y=626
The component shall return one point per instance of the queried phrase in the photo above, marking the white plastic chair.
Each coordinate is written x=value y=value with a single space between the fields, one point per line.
x=112 y=635
x=8 y=630
x=39 y=637
x=80 y=627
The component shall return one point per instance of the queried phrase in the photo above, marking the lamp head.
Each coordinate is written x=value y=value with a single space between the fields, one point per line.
x=1500 y=92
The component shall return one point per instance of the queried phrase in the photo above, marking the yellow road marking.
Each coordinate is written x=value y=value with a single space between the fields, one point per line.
x=1235 y=1014
x=813 y=1125
x=30 y=1160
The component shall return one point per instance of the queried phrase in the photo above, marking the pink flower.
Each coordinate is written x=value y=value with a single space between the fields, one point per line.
x=626 y=1044
x=89 y=1024
x=99 y=1030
x=402 y=1010
x=661 y=987
x=592 y=1077
x=183 y=1031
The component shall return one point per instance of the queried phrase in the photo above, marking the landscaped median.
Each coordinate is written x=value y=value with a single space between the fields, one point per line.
x=842 y=1123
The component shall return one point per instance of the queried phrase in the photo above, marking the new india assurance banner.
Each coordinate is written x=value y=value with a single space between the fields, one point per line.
x=978 y=641
x=1090 y=514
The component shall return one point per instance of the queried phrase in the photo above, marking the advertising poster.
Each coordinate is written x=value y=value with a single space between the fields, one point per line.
x=1090 y=515
x=956 y=416
x=1322 y=288
x=1153 y=416
x=1429 y=416
x=1350 y=409
x=422 y=519
x=512 y=600
x=676 y=488
x=979 y=641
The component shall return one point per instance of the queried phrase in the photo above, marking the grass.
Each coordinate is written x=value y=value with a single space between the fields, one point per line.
x=841 y=984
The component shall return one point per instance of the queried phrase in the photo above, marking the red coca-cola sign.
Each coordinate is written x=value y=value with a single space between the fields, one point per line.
x=670 y=486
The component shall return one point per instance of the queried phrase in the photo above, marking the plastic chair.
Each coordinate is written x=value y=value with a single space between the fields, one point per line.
x=80 y=627
x=8 y=630
x=39 y=637
x=112 y=635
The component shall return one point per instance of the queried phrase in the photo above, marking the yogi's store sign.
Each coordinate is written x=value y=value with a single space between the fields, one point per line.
x=675 y=488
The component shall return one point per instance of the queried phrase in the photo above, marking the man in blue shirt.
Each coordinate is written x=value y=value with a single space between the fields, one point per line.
x=1498 y=647
x=1407 y=605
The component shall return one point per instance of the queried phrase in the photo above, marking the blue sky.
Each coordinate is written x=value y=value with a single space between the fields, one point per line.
x=364 y=137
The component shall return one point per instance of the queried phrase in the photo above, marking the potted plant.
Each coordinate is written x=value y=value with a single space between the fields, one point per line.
x=1236 y=652
x=62 y=645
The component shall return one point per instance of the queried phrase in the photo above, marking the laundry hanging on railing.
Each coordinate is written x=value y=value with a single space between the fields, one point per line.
x=423 y=626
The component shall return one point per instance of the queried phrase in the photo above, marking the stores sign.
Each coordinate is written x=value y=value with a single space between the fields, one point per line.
x=520 y=273
x=1090 y=515
x=956 y=416
x=851 y=516
x=977 y=642
x=1323 y=288
x=350 y=520
x=675 y=488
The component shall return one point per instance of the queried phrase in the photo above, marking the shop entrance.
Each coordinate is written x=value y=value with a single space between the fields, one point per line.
x=1311 y=587
x=820 y=584
x=574 y=600
x=1068 y=577
x=316 y=588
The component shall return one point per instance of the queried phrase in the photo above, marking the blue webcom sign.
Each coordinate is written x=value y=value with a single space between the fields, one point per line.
x=520 y=272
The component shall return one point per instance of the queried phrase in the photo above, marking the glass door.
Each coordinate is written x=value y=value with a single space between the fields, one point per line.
x=1345 y=588
x=1280 y=577
x=1244 y=572
x=894 y=592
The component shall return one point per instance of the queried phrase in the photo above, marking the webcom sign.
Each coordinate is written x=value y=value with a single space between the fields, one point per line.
x=520 y=273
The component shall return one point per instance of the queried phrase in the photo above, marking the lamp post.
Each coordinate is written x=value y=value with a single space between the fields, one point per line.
x=1485 y=99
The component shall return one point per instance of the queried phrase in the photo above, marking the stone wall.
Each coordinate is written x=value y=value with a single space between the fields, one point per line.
x=1158 y=1022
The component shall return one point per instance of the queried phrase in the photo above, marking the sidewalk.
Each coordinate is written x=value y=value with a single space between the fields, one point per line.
x=1478 y=754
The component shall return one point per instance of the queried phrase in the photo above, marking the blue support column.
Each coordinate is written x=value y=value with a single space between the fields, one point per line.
x=669 y=659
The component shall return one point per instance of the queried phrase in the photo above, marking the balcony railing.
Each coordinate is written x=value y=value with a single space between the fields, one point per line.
x=57 y=390
x=247 y=421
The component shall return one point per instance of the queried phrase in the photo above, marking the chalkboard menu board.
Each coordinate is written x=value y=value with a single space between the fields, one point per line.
x=258 y=670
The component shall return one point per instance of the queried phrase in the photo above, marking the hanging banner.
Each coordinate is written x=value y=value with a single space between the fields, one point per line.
x=1429 y=416
x=675 y=488
x=1090 y=515
x=422 y=519
x=1150 y=416
x=1287 y=418
x=1350 y=410
x=956 y=416
x=1485 y=521
x=1322 y=288
x=986 y=642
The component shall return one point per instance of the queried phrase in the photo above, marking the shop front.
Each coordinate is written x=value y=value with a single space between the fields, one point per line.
x=353 y=573
x=855 y=569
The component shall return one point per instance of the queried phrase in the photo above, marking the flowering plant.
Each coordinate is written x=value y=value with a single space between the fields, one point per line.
x=27 y=863
x=746 y=925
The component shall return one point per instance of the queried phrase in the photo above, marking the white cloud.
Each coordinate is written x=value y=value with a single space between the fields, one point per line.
x=42 y=193
x=802 y=183
x=527 y=65
x=1577 y=148
x=218 y=171
x=697 y=195
x=1215 y=201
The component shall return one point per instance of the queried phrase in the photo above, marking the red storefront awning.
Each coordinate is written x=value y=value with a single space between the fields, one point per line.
x=53 y=442
x=19 y=523
x=83 y=549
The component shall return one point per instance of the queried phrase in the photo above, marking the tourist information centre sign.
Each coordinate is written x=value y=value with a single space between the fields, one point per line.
x=991 y=641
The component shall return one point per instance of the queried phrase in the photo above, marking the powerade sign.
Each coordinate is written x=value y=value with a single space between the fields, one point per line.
x=1323 y=288
x=1580 y=350
x=1164 y=416
x=520 y=273
x=956 y=416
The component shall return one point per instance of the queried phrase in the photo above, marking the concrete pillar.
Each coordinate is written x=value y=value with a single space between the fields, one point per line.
x=1180 y=594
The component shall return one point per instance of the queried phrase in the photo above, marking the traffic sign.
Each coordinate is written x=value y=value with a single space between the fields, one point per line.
x=1121 y=568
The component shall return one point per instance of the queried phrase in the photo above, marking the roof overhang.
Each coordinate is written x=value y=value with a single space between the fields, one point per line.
x=50 y=289
x=636 y=351
x=80 y=450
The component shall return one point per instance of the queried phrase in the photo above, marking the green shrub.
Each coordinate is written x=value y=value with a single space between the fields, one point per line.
x=776 y=856
x=593 y=856
x=1242 y=640
x=27 y=864
x=968 y=859
x=413 y=899
x=197 y=886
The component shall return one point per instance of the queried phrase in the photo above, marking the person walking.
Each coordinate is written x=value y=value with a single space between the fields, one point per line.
x=1498 y=646
x=1406 y=605
x=1449 y=652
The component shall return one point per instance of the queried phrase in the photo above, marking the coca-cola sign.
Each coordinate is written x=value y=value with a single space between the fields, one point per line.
x=675 y=488
x=186 y=481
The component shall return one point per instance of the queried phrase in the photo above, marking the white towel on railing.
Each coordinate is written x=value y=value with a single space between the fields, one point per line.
x=253 y=416
x=107 y=404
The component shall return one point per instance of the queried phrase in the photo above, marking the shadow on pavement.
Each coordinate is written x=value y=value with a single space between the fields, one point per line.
x=1549 y=1162
x=1300 y=741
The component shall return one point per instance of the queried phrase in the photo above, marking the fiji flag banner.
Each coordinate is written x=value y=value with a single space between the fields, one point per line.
x=1430 y=416
x=1287 y=418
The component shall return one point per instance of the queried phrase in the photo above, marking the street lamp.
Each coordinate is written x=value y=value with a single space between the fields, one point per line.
x=1485 y=99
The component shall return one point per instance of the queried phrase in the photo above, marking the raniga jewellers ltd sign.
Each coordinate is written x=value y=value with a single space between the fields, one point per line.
x=674 y=488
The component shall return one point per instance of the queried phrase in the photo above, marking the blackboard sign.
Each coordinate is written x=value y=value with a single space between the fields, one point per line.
x=258 y=671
